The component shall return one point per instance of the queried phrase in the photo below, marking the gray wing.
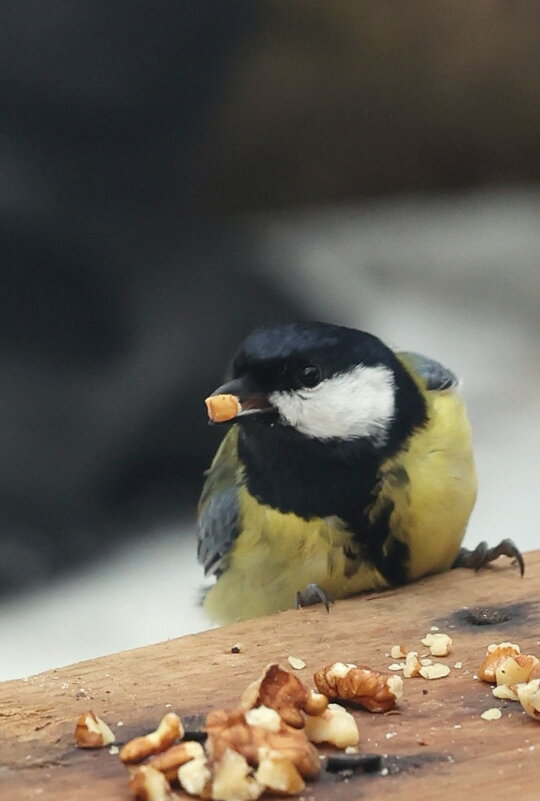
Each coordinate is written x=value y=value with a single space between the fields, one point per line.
x=436 y=376
x=218 y=529
x=219 y=512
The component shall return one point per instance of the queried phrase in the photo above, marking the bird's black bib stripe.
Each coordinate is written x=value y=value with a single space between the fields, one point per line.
x=312 y=479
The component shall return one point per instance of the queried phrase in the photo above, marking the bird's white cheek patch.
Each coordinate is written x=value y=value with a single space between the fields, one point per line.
x=358 y=403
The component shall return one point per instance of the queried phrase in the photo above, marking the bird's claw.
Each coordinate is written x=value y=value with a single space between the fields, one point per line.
x=312 y=594
x=483 y=555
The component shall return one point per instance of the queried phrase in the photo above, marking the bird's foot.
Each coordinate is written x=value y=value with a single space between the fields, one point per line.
x=483 y=555
x=312 y=594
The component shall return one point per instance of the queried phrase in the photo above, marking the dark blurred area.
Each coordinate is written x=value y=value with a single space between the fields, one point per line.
x=130 y=132
x=122 y=295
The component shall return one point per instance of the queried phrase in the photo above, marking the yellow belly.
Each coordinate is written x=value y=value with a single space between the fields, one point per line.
x=277 y=554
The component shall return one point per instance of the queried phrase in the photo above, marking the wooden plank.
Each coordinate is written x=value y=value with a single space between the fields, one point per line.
x=454 y=750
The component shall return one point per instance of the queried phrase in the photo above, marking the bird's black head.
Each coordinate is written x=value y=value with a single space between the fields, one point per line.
x=325 y=382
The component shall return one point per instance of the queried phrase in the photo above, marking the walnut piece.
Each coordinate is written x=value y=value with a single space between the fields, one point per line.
x=515 y=669
x=529 y=697
x=169 y=730
x=412 y=665
x=335 y=726
x=372 y=689
x=170 y=760
x=195 y=777
x=232 y=780
x=505 y=693
x=491 y=714
x=277 y=773
x=148 y=784
x=495 y=656
x=436 y=671
x=222 y=407
x=264 y=717
x=439 y=644
x=92 y=732
x=229 y=729
x=280 y=690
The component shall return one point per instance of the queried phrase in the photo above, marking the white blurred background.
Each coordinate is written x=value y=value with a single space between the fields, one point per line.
x=330 y=163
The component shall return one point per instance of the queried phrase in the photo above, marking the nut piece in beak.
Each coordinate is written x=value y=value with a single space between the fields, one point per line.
x=223 y=407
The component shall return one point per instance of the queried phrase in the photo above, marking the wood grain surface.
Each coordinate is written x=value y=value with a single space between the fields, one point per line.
x=450 y=750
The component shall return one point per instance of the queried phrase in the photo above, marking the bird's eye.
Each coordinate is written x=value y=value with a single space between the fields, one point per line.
x=309 y=375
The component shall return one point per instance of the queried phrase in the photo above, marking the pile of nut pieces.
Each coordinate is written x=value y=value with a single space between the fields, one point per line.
x=267 y=742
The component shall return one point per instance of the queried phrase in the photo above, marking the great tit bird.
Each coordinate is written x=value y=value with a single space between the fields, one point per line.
x=348 y=467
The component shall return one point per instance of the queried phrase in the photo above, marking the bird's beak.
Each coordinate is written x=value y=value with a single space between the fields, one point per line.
x=236 y=399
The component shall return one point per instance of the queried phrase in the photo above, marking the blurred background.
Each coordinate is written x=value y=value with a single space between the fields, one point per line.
x=175 y=173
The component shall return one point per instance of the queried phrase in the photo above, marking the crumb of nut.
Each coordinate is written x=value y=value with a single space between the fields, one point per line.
x=395 y=666
x=317 y=703
x=398 y=652
x=458 y=665
x=170 y=760
x=264 y=717
x=504 y=692
x=439 y=644
x=335 y=726
x=372 y=689
x=277 y=773
x=434 y=628
x=113 y=750
x=495 y=656
x=92 y=732
x=535 y=672
x=529 y=697
x=494 y=646
x=169 y=730
x=232 y=780
x=222 y=407
x=412 y=665
x=515 y=669
x=148 y=784
x=280 y=690
x=229 y=729
x=425 y=662
x=351 y=749
x=436 y=671
x=296 y=663
x=491 y=714
x=195 y=777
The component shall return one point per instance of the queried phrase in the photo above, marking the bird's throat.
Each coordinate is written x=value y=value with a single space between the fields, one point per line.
x=308 y=477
